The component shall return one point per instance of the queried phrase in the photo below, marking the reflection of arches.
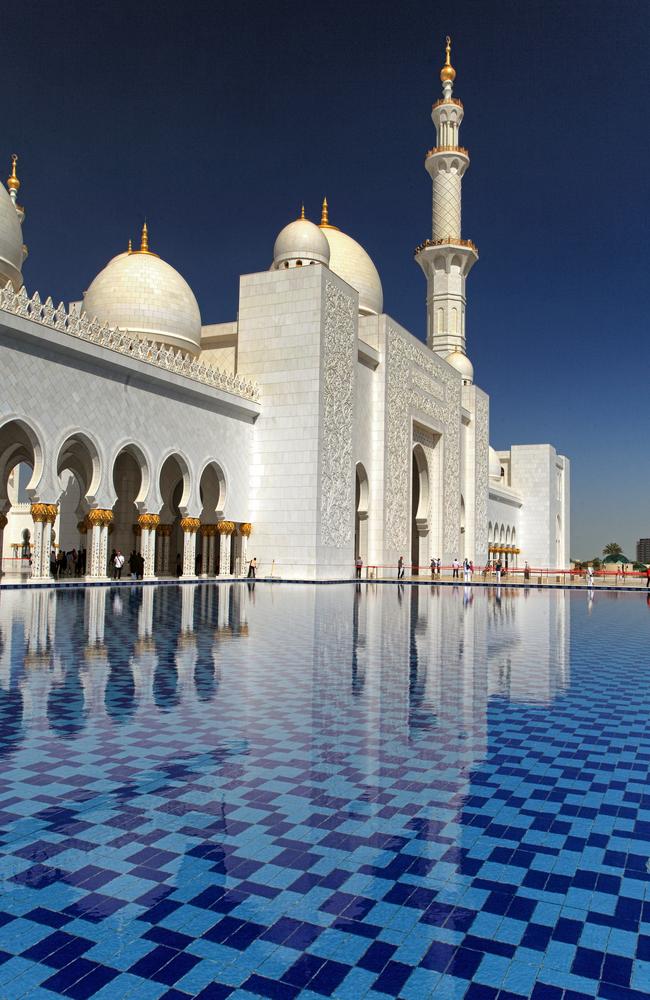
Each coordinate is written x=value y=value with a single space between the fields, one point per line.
x=419 y=507
x=361 y=513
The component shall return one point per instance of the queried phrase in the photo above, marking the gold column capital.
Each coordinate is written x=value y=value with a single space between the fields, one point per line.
x=99 y=516
x=164 y=529
x=45 y=512
x=191 y=524
x=225 y=527
x=246 y=529
x=149 y=521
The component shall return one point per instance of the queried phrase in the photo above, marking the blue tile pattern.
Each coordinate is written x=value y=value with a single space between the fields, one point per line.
x=238 y=791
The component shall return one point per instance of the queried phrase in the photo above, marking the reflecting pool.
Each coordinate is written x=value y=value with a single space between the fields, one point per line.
x=282 y=790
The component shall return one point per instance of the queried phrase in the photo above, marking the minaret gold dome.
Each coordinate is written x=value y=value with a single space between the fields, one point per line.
x=448 y=72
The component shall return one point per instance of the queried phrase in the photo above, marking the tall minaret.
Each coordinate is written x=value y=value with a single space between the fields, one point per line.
x=446 y=259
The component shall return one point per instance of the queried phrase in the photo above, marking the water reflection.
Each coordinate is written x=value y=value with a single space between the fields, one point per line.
x=412 y=659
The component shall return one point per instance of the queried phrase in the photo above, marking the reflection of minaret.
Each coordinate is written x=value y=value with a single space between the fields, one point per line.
x=186 y=648
x=207 y=674
x=359 y=661
x=66 y=703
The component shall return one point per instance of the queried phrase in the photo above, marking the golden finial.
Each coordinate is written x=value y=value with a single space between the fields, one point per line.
x=302 y=211
x=130 y=248
x=144 y=240
x=448 y=72
x=324 y=218
x=12 y=181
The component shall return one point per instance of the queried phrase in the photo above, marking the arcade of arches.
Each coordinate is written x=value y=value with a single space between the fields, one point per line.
x=69 y=514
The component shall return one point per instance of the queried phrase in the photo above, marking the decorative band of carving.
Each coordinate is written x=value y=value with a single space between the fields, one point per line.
x=99 y=516
x=191 y=524
x=208 y=530
x=149 y=521
x=246 y=529
x=226 y=527
x=3 y=522
x=164 y=529
x=78 y=324
x=44 y=512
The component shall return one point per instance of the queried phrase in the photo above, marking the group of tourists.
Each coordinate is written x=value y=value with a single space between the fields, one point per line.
x=72 y=563
x=136 y=564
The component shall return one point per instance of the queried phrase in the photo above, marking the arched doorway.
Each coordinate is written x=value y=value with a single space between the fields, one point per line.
x=21 y=463
x=175 y=492
x=212 y=490
x=361 y=514
x=419 y=509
x=131 y=484
x=78 y=469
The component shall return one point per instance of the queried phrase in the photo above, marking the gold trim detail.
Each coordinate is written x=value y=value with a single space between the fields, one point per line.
x=208 y=530
x=246 y=529
x=447 y=149
x=447 y=100
x=44 y=512
x=447 y=241
x=191 y=524
x=325 y=217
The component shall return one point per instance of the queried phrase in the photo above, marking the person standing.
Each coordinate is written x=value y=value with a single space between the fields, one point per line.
x=358 y=566
x=590 y=575
x=118 y=563
x=252 y=568
x=433 y=569
x=526 y=571
x=498 y=568
x=400 y=568
x=133 y=564
x=647 y=576
x=438 y=566
x=455 y=568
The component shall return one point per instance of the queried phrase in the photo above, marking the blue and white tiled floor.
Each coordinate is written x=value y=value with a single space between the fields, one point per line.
x=276 y=791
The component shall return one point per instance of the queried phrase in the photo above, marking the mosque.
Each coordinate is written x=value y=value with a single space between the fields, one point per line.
x=310 y=429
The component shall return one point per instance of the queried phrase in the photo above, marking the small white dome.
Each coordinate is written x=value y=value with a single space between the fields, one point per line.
x=350 y=261
x=11 y=242
x=300 y=241
x=462 y=364
x=142 y=294
x=495 y=464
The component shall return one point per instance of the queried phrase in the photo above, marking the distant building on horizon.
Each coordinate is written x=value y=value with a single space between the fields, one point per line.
x=643 y=550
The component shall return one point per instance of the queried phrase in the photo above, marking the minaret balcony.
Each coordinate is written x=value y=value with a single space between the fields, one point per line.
x=447 y=149
x=452 y=248
x=447 y=100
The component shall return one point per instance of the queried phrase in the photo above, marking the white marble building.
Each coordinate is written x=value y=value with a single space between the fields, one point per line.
x=309 y=430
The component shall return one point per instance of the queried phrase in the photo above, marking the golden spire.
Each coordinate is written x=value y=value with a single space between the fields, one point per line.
x=12 y=181
x=302 y=211
x=130 y=249
x=144 y=240
x=448 y=72
x=324 y=218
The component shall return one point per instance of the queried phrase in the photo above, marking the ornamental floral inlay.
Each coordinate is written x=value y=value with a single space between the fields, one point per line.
x=79 y=325
x=482 y=459
x=337 y=364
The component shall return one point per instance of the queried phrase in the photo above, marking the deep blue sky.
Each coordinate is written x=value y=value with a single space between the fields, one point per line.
x=216 y=119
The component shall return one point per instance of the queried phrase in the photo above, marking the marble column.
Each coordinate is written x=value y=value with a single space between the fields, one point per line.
x=205 y=555
x=44 y=515
x=148 y=524
x=163 y=541
x=189 y=527
x=3 y=525
x=245 y=531
x=99 y=521
x=225 y=529
x=212 y=551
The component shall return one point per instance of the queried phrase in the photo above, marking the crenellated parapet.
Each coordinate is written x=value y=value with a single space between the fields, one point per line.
x=77 y=324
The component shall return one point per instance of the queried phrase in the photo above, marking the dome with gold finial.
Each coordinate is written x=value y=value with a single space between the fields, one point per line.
x=350 y=261
x=301 y=242
x=12 y=252
x=448 y=73
x=143 y=295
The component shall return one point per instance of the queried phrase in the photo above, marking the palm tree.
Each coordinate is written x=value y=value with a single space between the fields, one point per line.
x=612 y=549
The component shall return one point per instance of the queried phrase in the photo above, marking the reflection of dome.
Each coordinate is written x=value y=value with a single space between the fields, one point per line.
x=141 y=294
x=462 y=364
x=11 y=242
x=495 y=464
x=301 y=242
x=350 y=261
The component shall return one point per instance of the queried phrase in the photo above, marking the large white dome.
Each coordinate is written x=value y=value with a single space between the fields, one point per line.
x=462 y=364
x=11 y=242
x=350 y=261
x=301 y=242
x=142 y=294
